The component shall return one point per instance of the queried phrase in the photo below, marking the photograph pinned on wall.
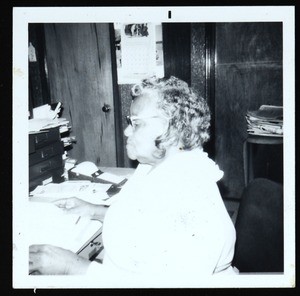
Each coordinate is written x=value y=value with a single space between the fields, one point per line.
x=139 y=51
x=136 y=30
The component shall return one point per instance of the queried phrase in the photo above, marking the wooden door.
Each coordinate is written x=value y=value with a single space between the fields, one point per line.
x=79 y=64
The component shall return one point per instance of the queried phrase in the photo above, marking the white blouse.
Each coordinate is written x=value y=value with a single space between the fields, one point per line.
x=168 y=223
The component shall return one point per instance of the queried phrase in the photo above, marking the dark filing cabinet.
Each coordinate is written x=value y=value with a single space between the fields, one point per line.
x=45 y=157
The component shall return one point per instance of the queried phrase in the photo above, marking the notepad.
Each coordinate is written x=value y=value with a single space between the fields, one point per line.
x=49 y=224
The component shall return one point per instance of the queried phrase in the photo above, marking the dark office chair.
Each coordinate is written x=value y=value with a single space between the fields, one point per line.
x=259 y=228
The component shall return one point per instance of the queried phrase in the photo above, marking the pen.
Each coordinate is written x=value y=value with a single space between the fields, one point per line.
x=78 y=220
x=57 y=109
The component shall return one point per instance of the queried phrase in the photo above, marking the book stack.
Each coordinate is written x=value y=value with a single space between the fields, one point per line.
x=266 y=121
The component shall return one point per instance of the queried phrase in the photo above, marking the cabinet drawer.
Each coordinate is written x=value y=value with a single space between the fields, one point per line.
x=46 y=166
x=46 y=152
x=55 y=176
x=43 y=138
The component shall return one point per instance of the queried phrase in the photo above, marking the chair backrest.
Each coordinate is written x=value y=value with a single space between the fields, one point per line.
x=259 y=228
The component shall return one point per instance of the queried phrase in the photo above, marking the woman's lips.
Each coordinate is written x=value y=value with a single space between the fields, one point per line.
x=128 y=144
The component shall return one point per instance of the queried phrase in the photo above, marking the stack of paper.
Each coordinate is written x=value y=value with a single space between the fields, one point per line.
x=44 y=118
x=38 y=124
x=266 y=121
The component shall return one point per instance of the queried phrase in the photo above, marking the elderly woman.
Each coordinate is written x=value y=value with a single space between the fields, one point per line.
x=169 y=220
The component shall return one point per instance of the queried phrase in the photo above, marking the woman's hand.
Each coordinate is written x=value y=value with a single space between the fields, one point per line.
x=74 y=205
x=51 y=260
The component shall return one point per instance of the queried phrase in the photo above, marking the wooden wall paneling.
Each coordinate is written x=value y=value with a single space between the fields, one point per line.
x=80 y=76
x=249 y=42
x=210 y=36
x=177 y=50
x=38 y=85
x=119 y=118
x=248 y=74
x=202 y=70
x=198 y=58
x=125 y=90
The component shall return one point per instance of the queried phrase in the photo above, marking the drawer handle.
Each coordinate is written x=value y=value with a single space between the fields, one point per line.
x=47 y=153
x=41 y=138
x=45 y=168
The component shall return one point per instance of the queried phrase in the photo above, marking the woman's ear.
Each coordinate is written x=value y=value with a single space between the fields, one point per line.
x=159 y=153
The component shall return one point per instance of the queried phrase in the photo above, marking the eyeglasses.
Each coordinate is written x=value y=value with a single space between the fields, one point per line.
x=130 y=119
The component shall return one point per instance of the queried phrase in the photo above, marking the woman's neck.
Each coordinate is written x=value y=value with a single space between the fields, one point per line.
x=173 y=150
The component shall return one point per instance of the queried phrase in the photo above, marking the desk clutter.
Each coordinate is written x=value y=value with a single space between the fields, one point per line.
x=46 y=117
x=53 y=175
x=95 y=193
x=84 y=181
x=89 y=171
x=266 y=121
x=48 y=138
x=262 y=149
x=45 y=157
x=48 y=224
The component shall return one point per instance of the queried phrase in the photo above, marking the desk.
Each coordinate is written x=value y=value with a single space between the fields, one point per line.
x=93 y=245
x=248 y=152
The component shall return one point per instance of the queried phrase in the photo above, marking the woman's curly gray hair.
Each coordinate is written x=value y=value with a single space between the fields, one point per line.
x=188 y=113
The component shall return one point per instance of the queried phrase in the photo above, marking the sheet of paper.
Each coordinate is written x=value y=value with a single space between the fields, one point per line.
x=48 y=224
x=37 y=124
x=86 y=168
x=111 y=178
x=86 y=190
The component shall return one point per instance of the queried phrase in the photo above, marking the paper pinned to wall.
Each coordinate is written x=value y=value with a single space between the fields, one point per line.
x=139 y=51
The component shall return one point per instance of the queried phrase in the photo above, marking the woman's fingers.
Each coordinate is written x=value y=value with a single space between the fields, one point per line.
x=74 y=205
x=35 y=257
x=66 y=203
x=60 y=203
x=35 y=248
x=48 y=259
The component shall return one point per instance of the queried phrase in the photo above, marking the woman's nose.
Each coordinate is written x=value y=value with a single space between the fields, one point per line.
x=128 y=131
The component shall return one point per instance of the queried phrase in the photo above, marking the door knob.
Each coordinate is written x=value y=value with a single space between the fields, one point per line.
x=106 y=108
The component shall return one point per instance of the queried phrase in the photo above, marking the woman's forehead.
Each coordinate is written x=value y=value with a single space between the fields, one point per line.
x=145 y=105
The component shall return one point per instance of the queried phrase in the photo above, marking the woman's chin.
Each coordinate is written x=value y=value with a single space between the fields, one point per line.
x=130 y=153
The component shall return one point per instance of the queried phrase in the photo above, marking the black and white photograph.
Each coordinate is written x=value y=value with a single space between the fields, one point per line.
x=159 y=147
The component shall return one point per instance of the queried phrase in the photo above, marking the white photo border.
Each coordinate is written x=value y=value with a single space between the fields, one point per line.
x=22 y=16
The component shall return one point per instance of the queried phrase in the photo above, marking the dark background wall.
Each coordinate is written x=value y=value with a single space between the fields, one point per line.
x=248 y=74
